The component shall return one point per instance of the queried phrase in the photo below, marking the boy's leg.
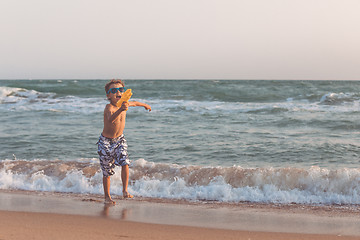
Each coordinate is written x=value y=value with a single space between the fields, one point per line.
x=106 y=184
x=125 y=181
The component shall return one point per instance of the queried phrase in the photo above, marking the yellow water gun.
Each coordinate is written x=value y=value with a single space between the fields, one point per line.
x=124 y=97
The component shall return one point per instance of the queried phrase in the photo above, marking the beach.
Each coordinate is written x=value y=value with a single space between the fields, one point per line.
x=58 y=226
x=30 y=215
x=214 y=159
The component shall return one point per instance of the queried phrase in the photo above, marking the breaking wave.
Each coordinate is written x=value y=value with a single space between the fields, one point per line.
x=313 y=185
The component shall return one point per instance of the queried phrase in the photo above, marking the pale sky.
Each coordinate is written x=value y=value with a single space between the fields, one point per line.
x=185 y=39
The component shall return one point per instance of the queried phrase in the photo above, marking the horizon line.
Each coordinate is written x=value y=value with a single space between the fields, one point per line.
x=184 y=79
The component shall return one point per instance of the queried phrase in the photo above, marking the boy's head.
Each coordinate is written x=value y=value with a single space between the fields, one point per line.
x=113 y=83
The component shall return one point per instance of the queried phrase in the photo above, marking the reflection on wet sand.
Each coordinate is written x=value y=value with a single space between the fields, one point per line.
x=123 y=215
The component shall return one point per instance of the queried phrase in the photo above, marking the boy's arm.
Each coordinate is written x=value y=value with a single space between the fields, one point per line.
x=139 y=104
x=111 y=115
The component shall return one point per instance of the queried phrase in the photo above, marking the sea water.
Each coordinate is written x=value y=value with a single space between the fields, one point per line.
x=212 y=140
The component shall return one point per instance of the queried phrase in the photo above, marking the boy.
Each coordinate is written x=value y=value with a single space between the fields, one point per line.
x=112 y=147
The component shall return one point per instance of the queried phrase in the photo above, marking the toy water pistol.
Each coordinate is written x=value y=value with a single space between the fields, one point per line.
x=124 y=97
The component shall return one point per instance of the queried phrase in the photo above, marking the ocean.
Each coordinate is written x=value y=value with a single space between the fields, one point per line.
x=225 y=141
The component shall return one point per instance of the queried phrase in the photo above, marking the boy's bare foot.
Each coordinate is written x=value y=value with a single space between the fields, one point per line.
x=127 y=195
x=109 y=201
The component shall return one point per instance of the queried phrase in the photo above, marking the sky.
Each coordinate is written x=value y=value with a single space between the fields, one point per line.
x=180 y=39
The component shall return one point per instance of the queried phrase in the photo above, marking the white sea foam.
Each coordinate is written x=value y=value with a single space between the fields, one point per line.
x=30 y=100
x=338 y=98
x=224 y=184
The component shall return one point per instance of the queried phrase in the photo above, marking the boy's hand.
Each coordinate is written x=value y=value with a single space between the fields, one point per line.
x=147 y=107
x=124 y=106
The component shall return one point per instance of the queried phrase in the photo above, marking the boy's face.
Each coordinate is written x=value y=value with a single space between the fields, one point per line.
x=114 y=97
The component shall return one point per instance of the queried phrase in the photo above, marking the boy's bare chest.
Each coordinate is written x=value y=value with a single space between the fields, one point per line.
x=121 y=118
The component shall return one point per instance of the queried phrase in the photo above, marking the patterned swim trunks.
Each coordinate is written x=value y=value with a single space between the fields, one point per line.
x=112 y=152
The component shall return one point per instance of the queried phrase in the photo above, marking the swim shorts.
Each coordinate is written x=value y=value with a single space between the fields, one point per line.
x=112 y=152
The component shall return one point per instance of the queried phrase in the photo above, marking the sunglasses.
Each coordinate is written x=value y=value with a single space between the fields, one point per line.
x=114 y=90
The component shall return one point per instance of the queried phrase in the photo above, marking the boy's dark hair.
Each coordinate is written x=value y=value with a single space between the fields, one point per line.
x=113 y=81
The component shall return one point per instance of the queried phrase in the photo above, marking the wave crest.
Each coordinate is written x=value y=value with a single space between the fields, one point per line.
x=30 y=100
x=338 y=98
x=161 y=180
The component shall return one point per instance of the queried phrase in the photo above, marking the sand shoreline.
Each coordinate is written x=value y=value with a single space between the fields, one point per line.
x=25 y=225
x=164 y=218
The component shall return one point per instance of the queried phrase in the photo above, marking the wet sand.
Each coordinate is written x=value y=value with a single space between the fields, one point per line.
x=27 y=215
